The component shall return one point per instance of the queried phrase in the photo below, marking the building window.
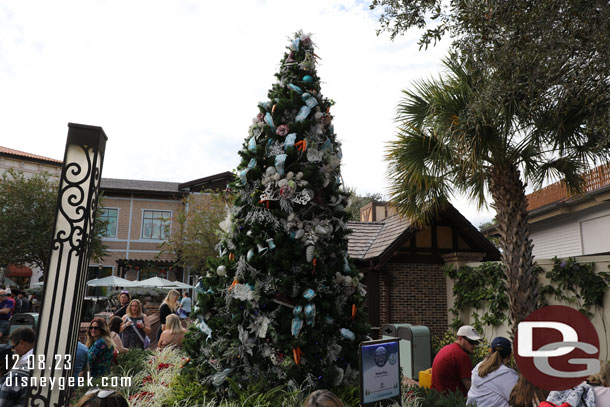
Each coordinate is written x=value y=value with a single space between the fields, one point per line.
x=111 y=217
x=156 y=224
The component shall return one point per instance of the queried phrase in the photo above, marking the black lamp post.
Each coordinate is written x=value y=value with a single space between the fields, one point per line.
x=65 y=284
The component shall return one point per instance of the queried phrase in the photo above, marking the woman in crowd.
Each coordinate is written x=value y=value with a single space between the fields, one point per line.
x=525 y=394
x=135 y=327
x=169 y=306
x=115 y=330
x=601 y=385
x=593 y=392
x=102 y=398
x=173 y=334
x=124 y=300
x=323 y=398
x=101 y=347
x=492 y=380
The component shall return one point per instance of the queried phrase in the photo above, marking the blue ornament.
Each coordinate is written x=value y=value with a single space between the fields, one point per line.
x=347 y=334
x=308 y=79
x=242 y=176
x=269 y=121
x=296 y=326
x=309 y=294
x=295 y=88
x=289 y=142
x=252 y=144
x=280 y=159
x=303 y=113
x=252 y=163
x=310 y=314
x=305 y=96
x=311 y=102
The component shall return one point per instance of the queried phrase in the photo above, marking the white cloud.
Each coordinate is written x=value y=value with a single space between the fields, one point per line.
x=175 y=84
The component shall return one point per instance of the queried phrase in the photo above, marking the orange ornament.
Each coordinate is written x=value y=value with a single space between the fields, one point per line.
x=354 y=311
x=301 y=145
x=296 y=354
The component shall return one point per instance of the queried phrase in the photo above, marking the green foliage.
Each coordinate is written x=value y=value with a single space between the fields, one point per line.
x=187 y=391
x=420 y=397
x=358 y=201
x=27 y=216
x=195 y=230
x=576 y=284
x=131 y=362
x=479 y=288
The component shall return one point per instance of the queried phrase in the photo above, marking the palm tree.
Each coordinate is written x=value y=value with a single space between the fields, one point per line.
x=449 y=140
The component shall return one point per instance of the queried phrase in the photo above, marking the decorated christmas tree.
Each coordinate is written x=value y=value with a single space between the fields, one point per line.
x=282 y=301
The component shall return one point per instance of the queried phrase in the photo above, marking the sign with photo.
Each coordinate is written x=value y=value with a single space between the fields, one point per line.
x=379 y=372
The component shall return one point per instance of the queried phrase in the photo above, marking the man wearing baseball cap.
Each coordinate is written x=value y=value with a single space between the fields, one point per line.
x=452 y=367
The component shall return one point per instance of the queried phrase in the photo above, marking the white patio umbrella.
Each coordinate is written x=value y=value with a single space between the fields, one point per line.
x=160 y=283
x=179 y=284
x=110 y=281
x=154 y=282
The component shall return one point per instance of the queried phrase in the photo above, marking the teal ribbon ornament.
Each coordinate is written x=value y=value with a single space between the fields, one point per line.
x=295 y=88
x=346 y=268
x=280 y=160
x=347 y=334
x=242 y=176
x=271 y=243
x=297 y=321
x=310 y=314
x=309 y=294
x=303 y=113
x=252 y=163
x=199 y=287
x=269 y=121
x=295 y=44
x=311 y=102
x=252 y=144
x=289 y=142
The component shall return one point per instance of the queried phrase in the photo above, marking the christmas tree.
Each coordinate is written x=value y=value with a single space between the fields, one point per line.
x=282 y=301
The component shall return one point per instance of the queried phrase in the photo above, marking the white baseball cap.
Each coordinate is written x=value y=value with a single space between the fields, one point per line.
x=469 y=332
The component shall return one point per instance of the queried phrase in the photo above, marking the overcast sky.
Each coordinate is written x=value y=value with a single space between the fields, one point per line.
x=175 y=83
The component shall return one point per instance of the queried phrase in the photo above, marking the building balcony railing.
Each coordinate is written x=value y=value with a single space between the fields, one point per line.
x=594 y=180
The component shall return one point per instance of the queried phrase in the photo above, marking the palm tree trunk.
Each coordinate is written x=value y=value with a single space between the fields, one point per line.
x=510 y=203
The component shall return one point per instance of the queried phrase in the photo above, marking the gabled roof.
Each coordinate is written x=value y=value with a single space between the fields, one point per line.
x=133 y=185
x=212 y=182
x=362 y=237
x=376 y=241
x=9 y=152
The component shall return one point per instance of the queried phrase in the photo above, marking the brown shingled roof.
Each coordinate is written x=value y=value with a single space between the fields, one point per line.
x=362 y=237
x=370 y=239
x=17 y=153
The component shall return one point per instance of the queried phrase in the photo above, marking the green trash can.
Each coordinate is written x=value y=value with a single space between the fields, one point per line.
x=25 y=320
x=415 y=347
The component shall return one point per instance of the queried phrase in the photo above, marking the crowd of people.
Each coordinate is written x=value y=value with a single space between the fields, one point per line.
x=493 y=383
x=129 y=327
